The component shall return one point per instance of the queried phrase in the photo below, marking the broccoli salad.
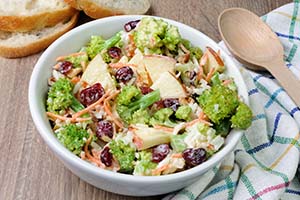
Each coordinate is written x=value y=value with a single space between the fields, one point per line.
x=144 y=102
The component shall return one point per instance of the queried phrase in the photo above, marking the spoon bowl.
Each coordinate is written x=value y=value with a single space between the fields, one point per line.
x=254 y=44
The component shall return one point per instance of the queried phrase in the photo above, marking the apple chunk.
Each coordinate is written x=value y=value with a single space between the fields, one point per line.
x=214 y=61
x=169 y=86
x=97 y=72
x=151 y=137
x=156 y=65
x=137 y=60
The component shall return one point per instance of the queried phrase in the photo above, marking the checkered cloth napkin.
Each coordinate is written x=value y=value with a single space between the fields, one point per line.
x=265 y=163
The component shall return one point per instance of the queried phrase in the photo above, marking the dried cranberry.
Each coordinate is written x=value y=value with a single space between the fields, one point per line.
x=160 y=152
x=158 y=105
x=115 y=52
x=145 y=90
x=104 y=128
x=172 y=103
x=65 y=67
x=91 y=94
x=124 y=74
x=194 y=157
x=106 y=157
x=131 y=25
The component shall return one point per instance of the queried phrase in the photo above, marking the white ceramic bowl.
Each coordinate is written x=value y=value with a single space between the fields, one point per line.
x=104 y=179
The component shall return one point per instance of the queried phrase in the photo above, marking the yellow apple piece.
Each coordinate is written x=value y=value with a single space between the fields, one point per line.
x=97 y=72
x=137 y=60
x=214 y=61
x=169 y=86
x=156 y=65
x=151 y=137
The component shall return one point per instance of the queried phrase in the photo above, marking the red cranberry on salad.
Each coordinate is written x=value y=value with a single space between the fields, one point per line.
x=115 y=52
x=91 y=94
x=106 y=157
x=131 y=25
x=172 y=103
x=145 y=90
x=65 y=67
x=124 y=74
x=194 y=157
x=104 y=128
x=160 y=152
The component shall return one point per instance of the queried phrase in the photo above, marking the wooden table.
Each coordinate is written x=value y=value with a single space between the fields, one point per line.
x=28 y=169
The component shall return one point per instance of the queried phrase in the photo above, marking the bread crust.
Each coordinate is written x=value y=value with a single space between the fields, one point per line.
x=37 y=21
x=95 y=11
x=73 y=3
x=38 y=45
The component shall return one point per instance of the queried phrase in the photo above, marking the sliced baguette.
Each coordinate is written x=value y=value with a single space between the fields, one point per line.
x=13 y=45
x=103 y=8
x=27 y=15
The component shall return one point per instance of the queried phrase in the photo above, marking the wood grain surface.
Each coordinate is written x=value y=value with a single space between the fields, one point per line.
x=28 y=169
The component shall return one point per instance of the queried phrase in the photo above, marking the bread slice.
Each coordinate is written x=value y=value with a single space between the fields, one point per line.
x=13 y=45
x=104 y=8
x=27 y=15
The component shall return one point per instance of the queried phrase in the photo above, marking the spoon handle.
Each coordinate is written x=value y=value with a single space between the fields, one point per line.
x=287 y=80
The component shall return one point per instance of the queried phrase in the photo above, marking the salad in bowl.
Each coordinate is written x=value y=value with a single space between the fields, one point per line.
x=144 y=102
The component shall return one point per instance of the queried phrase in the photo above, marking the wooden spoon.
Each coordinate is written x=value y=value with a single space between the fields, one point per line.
x=254 y=44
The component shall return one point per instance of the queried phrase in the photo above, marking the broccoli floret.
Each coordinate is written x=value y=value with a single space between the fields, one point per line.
x=242 y=118
x=140 y=117
x=162 y=117
x=177 y=143
x=60 y=97
x=128 y=94
x=131 y=100
x=195 y=51
x=223 y=127
x=184 y=113
x=154 y=33
x=218 y=103
x=73 y=137
x=144 y=164
x=77 y=60
x=125 y=155
x=172 y=38
x=99 y=45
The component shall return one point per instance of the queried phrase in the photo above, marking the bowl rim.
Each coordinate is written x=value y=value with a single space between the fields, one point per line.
x=65 y=154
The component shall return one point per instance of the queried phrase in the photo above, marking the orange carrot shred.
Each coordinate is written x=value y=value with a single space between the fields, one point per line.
x=226 y=82
x=75 y=79
x=90 y=107
x=177 y=155
x=210 y=74
x=89 y=156
x=160 y=169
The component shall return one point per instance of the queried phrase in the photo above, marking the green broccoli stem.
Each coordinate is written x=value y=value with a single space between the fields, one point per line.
x=111 y=41
x=77 y=106
x=145 y=101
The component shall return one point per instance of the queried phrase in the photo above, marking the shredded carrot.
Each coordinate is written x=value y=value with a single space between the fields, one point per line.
x=131 y=46
x=219 y=53
x=210 y=147
x=75 y=80
x=61 y=58
x=90 y=107
x=107 y=109
x=164 y=128
x=57 y=66
x=119 y=65
x=202 y=62
x=226 y=82
x=160 y=169
x=84 y=84
x=202 y=118
x=177 y=155
x=63 y=118
x=185 y=50
x=89 y=156
x=210 y=74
